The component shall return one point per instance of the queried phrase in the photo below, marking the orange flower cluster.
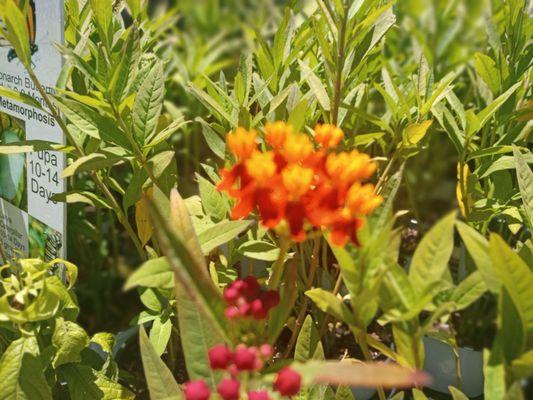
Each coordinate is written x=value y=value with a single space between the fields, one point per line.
x=302 y=182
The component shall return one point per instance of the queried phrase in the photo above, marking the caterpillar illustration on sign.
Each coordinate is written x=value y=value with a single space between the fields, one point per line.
x=31 y=23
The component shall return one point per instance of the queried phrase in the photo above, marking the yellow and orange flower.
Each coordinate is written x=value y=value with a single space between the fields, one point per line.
x=306 y=184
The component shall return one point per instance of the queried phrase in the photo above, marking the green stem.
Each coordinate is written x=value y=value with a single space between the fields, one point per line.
x=303 y=310
x=341 y=43
x=277 y=267
x=363 y=344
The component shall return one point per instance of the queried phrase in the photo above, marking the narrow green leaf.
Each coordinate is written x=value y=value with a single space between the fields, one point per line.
x=525 y=183
x=316 y=86
x=197 y=337
x=221 y=233
x=161 y=384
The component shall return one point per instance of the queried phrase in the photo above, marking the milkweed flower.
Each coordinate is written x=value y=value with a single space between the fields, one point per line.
x=299 y=182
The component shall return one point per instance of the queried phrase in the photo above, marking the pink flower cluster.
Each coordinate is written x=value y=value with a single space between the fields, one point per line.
x=245 y=298
x=243 y=360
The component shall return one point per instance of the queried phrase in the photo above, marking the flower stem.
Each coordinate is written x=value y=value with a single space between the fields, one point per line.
x=277 y=267
x=303 y=309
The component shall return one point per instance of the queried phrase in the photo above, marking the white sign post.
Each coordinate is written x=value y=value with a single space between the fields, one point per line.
x=31 y=223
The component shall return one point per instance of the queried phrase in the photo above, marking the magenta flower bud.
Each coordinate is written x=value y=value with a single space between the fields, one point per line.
x=288 y=382
x=220 y=357
x=266 y=351
x=258 y=395
x=196 y=390
x=244 y=358
x=228 y=389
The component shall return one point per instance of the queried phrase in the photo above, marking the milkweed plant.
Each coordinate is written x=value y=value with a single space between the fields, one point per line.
x=280 y=199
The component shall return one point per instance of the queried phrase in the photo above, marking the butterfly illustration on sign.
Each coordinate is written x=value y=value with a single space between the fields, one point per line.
x=31 y=23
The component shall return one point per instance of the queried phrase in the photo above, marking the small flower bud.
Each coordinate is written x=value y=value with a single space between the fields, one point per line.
x=220 y=357
x=245 y=358
x=288 y=382
x=258 y=395
x=196 y=390
x=228 y=389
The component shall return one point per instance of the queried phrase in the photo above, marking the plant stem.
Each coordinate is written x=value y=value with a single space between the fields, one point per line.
x=303 y=310
x=277 y=267
x=341 y=43
x=383 y=177
x=3 y=253
x=121 y=215
x=361 y=340
x=328 y=317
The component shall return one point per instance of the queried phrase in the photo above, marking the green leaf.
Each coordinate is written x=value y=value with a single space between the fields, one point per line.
x=457 y=394
x=419 y=395
x=525 y=183
x=344 y=393
x=124 y=73
x=469 y=290
x=103 y=16
x=485 y=114
x=213 y=201
x=331 y=304
x=85 y=383
x=155 y=273
x=21 y=372
x=69 y=339
x=148 y=104
x=486 y=68
x=20 y=97
x=494 y=372
x=478 y=248
x=221 y=233
x=522 y=366
x=160 y=334
x=415 y=132
x=85 y=197
x=316 y=86
x=82 y=117
x=259 y=250
x=512 y=332
x=92 y=162
x=161 y=161
x=160 y=381
x=180 y=244
x=197 y=337
x=308 y=345
x=213 y=139
x=505 y=162
x=29 y=146
x=517 y=280
x=430 y=260
x=211 y=104
x=15 y=30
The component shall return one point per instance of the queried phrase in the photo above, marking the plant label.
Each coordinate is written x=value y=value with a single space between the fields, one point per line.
x=32 y=223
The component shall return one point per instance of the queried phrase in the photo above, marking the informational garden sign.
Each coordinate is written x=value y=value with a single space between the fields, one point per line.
x=31 y=222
